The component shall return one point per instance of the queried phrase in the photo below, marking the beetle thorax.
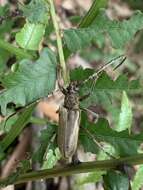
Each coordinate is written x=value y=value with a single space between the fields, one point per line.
x=72 y=97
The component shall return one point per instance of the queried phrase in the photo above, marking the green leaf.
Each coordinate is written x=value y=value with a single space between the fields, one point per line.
x=124 y=143
x=102 y=90
x=4 y=10
x=120 y=32
x=114 y=181
x=125 y=117
x=80 y=74
x=5 y=126
x=51 y=158
x=6 y=25
x=30 y=81
x=3 y=60
x=18 y=52
x=24 y=166
x=45 y=143
x=37 y=11
x=106 y=152
x=30 y=36
x=138 y=4
x=105 y=83
x=93 y=177
x=137 y=181
x=88 y=19
x=17 y=127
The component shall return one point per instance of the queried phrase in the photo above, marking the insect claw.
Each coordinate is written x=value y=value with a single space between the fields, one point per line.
x=57 y=111
x=75 y=160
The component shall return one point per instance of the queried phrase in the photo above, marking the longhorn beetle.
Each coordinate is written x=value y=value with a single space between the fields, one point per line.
x=69 y=114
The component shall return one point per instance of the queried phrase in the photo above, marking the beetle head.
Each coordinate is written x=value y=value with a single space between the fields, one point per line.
x=73 y=87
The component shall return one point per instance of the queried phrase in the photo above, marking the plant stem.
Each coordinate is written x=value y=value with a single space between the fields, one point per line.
x=20 y=53
x=75 y=169
x=59 y=44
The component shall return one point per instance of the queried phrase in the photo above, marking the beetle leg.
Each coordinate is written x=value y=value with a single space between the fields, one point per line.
x=91 y=112
x=63 y=90
x=84 y=97
x=75 y=159
x=57 y=111
x=96 y=116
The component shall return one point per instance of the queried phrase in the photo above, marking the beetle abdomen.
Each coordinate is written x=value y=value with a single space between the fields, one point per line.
x=68 y=130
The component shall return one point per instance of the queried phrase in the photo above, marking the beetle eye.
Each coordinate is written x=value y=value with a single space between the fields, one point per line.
x=76 y=88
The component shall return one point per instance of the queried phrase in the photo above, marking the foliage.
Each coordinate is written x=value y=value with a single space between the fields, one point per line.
x=137 y=181
x=105 y=88
x=30 y=36
x=119 y=32
x=6 y=26
x=115 y=180
x=21 y=86
x=28 y=72
x=16 y=129
x=90 y=178
x=52 y=158
x=124 y=143
x=37 y=11
x=45 y=142
x=125 y=118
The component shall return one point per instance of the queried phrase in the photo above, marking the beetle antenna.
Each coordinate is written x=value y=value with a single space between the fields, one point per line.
x=118 y=61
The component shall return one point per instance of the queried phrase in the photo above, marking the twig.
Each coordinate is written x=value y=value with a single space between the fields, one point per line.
x=75 y=169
